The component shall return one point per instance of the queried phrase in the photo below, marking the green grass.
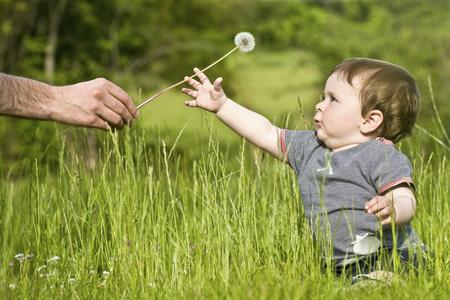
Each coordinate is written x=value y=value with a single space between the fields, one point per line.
x=179 y=208
x=166 y=225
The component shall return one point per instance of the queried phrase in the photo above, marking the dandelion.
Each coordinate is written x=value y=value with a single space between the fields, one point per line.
x=244 y=41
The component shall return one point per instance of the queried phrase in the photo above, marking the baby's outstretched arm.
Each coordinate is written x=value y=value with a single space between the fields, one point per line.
x=252 y=126
x=398 y=205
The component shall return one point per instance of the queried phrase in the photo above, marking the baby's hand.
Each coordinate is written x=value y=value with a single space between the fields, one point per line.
x=382 y=207
x=207 y=95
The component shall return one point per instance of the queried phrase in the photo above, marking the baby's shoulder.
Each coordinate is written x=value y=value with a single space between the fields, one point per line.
x=381 y=150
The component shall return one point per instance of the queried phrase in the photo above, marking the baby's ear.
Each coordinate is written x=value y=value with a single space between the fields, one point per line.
x=372 y=121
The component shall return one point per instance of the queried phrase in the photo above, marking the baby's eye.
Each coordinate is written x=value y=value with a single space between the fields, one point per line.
x=332 y=99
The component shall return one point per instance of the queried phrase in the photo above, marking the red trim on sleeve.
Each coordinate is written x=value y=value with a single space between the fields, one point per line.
x=396 y=182
x=283 y=141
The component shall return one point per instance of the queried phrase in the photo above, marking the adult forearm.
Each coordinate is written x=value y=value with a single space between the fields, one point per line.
x=252 y=126
x=24 y=97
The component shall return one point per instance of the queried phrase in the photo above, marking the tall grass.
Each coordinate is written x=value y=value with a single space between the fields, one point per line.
x=163 y=222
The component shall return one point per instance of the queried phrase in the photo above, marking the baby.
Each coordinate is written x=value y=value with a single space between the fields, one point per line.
x=355 y=186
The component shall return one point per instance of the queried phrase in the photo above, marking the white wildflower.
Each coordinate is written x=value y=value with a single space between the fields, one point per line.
x=40 y=268
x=245 y=41
x=19 y=256
x=12 y=286
x=54 y=259
x=50 y=274
x=106 y=273
x=72 y=280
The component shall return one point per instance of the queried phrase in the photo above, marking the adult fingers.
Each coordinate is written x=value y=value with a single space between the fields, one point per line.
x=194 y=83
x=113 y=119
x=123 y=97
x=201 y=76
x=190 y=92
x=119 y=108
x=81 y=117
x=99 y=123
x=218 y=84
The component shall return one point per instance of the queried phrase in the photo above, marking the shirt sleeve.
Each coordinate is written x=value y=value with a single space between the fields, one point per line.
x=391 y=168
x=294 y=144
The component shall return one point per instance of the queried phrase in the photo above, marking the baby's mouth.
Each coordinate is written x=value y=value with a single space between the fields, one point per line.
x=317 y=123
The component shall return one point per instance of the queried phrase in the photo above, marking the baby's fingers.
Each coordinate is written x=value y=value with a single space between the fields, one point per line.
x=218 y=84
x=203 y=78
x=190 y=92
x=386 y=221
x=375 y=204
x=194 y=83
x=191 y=103
x=383 y=213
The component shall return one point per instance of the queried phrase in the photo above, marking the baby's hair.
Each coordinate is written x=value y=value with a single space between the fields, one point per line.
x=388 y=88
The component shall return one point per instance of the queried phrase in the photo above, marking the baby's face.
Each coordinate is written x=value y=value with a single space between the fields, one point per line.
x=338 y=116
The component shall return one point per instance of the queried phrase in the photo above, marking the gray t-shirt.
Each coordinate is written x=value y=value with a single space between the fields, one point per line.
x=335 y=186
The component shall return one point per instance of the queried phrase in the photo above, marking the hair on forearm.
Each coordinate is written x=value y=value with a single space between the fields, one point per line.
x=23 y=97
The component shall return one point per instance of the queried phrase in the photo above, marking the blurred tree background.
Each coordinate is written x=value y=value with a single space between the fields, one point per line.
x=142 y=45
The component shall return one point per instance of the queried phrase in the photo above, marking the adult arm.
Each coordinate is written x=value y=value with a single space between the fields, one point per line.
x=96 y=103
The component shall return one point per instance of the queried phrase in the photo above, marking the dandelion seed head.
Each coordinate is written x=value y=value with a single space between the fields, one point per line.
x=245 y=41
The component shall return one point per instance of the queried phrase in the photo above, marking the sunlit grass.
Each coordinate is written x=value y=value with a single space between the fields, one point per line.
x=179 y=207
x=155 y=222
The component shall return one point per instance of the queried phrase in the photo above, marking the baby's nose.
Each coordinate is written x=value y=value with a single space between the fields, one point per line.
x=319 y=106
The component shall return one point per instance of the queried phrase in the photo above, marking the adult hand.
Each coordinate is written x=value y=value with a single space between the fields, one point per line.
x=96 y=103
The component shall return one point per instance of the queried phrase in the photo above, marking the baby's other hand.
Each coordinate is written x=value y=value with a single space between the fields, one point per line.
x=206 y=95
x=382 y=207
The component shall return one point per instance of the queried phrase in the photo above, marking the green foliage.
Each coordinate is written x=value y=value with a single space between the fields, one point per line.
x=142 y=45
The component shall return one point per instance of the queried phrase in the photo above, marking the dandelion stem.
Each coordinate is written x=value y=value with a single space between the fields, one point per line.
x=178 y=83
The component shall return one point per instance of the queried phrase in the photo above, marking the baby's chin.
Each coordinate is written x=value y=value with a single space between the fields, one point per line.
x=321 y=137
